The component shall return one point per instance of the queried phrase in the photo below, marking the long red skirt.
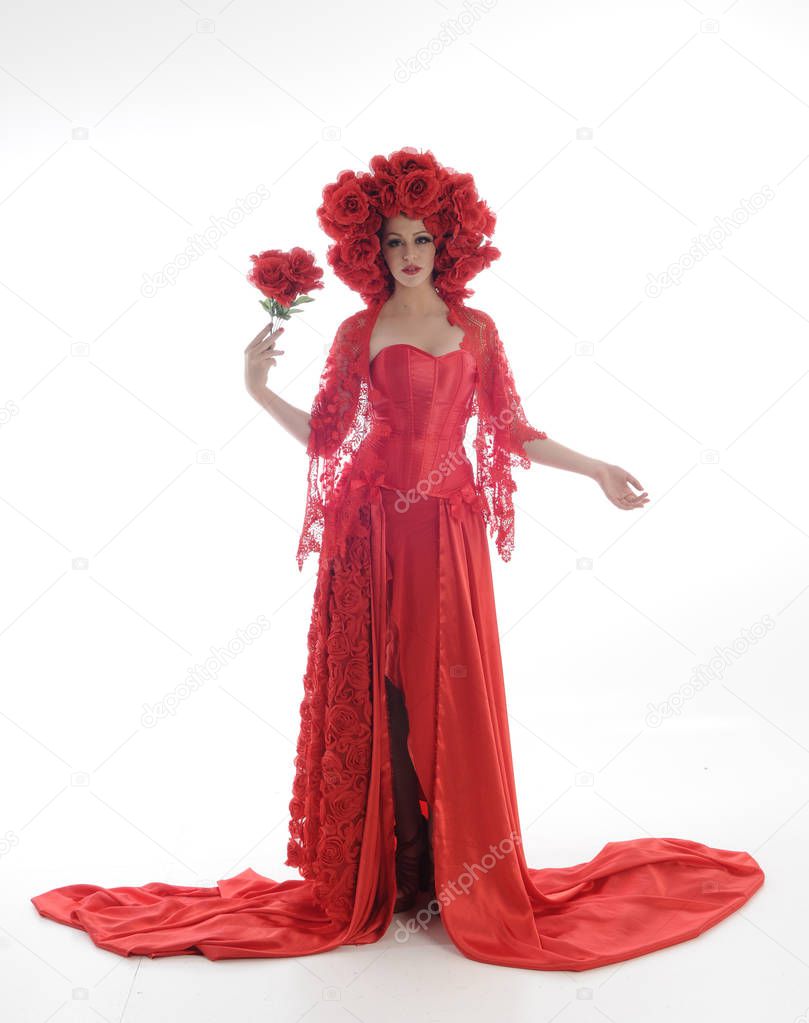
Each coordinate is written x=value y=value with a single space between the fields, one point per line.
x=435 y=635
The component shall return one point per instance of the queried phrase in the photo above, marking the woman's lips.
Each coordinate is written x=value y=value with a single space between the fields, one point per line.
x=411 y=269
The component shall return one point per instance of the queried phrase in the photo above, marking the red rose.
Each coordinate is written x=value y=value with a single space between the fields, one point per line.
x=408 y=159
x=358 y=760
x=283 y=276
x=463 y=245
x=349 y=596
x=344 y=744
x=382 y=193
x=347 y=805
x=418 y=191
x=471 y=210
x=358 y=674
x=360 y=250
x=380 y=167
x=341 y=719
x=332 y=768
x=332 y=851
x=302 y=270
x=442 y=225
x=337 y=644
x=345 y=205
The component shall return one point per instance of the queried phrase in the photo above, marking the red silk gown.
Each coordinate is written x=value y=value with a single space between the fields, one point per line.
x=408 y=595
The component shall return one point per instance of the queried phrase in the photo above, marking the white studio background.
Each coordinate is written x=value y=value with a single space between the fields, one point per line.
x=150 y=510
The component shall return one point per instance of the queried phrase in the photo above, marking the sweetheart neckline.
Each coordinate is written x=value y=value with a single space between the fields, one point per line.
x=405 y=344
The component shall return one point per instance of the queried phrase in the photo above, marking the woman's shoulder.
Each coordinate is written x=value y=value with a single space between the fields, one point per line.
x=352 y=326
x=463 y=309
x=357 y=318
x=358 y=321
x=474 y=319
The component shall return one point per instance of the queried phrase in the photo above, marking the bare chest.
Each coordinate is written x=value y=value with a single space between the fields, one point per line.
x=433 y=334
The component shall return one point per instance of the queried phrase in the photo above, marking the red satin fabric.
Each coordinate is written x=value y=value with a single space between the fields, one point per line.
x=435 y=636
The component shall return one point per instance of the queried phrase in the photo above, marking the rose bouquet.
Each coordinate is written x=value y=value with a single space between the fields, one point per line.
x=284 y=278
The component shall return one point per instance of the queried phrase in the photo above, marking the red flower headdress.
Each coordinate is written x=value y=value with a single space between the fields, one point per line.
x=418 y=186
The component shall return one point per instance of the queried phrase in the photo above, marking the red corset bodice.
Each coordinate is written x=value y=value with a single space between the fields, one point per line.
x=421 y=404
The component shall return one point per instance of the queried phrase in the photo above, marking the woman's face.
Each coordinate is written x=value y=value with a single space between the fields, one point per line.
x=406 y=244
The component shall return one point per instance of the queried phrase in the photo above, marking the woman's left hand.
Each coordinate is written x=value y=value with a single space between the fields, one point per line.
x=614 y=481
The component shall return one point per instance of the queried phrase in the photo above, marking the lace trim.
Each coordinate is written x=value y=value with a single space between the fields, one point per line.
x=333 y=759
x=502 y=428
x=338 y=423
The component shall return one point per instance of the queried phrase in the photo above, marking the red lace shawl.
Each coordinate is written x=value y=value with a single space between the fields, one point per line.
x=340 y=420
x=332 y=763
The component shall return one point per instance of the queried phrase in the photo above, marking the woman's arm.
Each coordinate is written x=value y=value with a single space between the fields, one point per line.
x=259 y=357
x=557 y=456
x=498 y=392
x=294 y=420
x=612 y=479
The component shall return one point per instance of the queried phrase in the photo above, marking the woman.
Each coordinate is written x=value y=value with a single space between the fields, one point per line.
x=404 y=703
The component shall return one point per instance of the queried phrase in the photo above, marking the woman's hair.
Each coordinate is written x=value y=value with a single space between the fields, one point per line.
x=417 y=186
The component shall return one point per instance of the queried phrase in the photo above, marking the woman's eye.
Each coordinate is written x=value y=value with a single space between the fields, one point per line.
x=421 y=238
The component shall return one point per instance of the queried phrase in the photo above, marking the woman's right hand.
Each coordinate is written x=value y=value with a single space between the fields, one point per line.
x=259 y=356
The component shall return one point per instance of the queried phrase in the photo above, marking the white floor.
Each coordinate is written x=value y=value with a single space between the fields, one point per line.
x=55 y=973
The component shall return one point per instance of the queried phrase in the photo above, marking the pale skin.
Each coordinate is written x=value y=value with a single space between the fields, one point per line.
x=415 y=314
